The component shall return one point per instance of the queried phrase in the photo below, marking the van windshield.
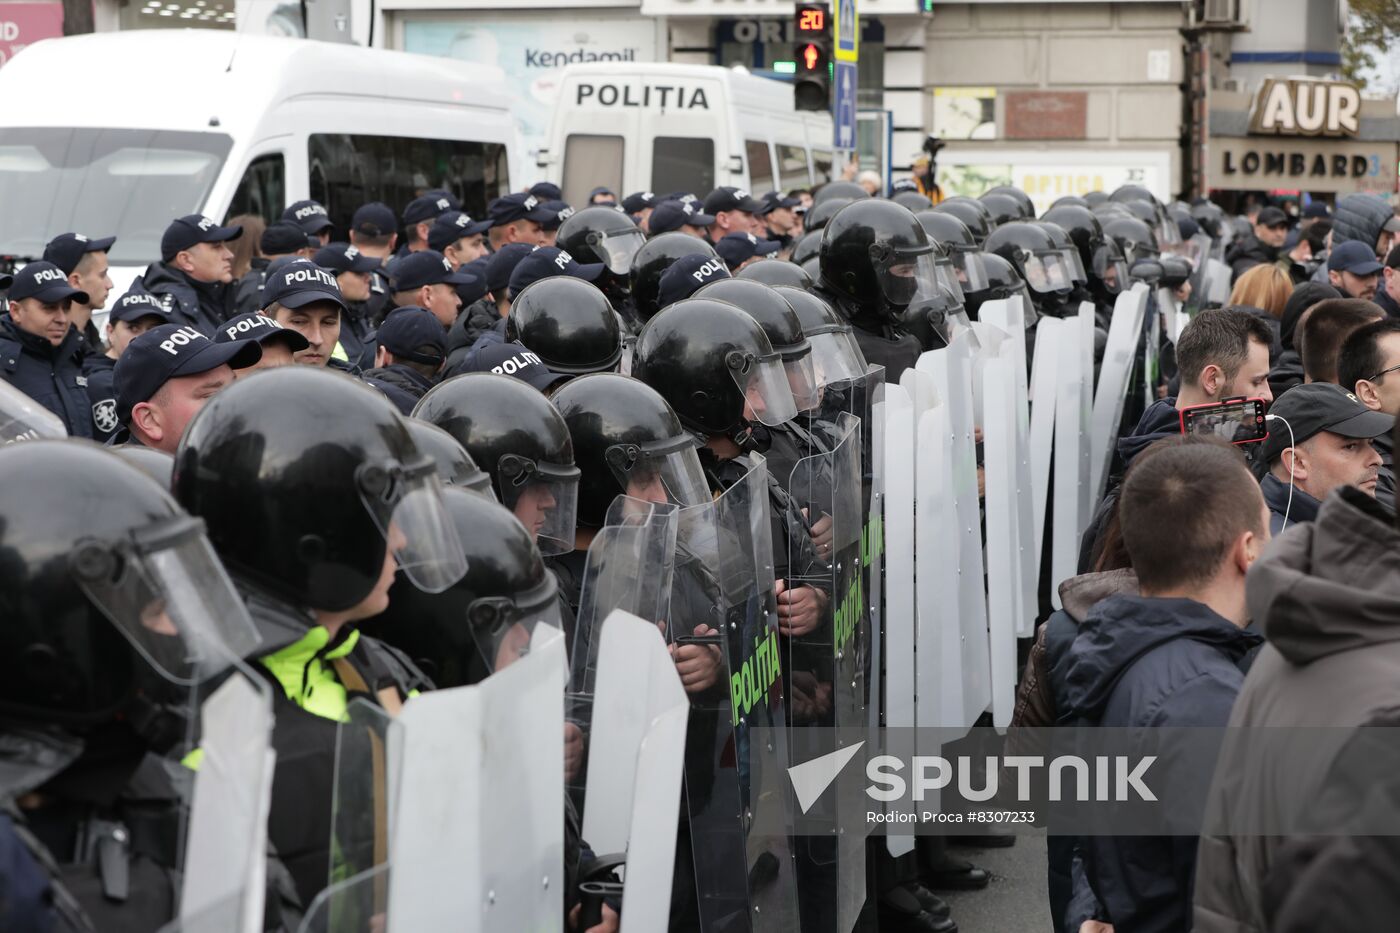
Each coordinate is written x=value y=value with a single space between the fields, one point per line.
x=102 y=182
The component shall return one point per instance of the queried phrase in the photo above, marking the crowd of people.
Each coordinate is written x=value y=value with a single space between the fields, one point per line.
x=453 y=405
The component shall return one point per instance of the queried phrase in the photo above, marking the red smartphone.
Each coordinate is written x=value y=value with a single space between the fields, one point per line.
x=1235 y=420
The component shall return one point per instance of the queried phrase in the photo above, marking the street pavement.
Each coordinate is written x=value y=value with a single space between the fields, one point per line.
x=1015 y=900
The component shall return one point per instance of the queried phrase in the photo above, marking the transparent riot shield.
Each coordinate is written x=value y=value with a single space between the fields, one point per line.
x=952 y=370
x=737 y=790
x=225 y=865
x=635 y=765
x=1006 y=591
x=1049 y=334
x=825 y=639
x=628 y=569
x=356 y=897
x=23 y=419
x=1218 y=284
x=1073 y=407
x=1010 y=315
x=1123 y=333
x=1151 y=352
x=901 y=406
x=477 y=824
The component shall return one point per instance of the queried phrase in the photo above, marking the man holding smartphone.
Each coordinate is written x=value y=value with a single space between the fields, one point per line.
x=1319 y=440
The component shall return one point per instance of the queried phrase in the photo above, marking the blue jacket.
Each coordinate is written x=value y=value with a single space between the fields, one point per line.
x=102 y=393
x=52 y=376
x=1303 y=508
x=202 y=305
x=1141 y=661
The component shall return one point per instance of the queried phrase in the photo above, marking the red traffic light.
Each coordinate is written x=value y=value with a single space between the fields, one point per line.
x=811 y=55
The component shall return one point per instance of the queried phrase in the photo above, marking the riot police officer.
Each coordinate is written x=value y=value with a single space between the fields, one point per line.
x=1039 y=260
x=454 y=465
x=609 y=236
x=513 y=433
x=971 y=212
x=877 y=268
x=1102 y=259
x=651 y=262
x=97 y=687
x=311 y=506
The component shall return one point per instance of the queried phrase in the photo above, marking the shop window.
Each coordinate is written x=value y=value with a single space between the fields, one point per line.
x=262 y=190
x=683 y=163
x=792 y=167
x=590 y=162
x=760 y=165
x=346 y=171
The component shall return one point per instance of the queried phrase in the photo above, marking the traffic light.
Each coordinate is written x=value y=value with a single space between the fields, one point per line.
x=812 y=81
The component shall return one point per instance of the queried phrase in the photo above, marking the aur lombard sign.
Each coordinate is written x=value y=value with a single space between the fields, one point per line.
x=1303 y=135
x=1295 y=107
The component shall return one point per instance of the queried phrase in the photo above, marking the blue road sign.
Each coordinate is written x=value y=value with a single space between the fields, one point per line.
x=843 y=108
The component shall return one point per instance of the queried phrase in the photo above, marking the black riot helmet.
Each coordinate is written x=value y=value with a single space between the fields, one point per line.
x=1068 y=200
x=806 y=249
x=485 y=620
x=839 y=189
x=876 y=255
x=960 y=246
x=1210 y=217
x=652 y=261
x=568 y=323
x=107 y=588
x=1017 y=195
x=836 y=356
x=820 y=214
x=1003 y=281
x=1100 y=255
x=971 y=212
x=601 y=234
x=1176 y=271
x=1037 y=258
x=784 y=329
x=157 y=464
x=1155 y=216
x=303 y=477
x=777 y=273
x=1134 y=238
x=1005 y=209
x=513 y=433
x=628 y=441
x=715 y=366
x=913 y=200
x=454 y=465
x=1095 y=198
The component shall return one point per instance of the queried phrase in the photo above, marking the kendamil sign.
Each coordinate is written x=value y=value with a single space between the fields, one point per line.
x=1300 y=134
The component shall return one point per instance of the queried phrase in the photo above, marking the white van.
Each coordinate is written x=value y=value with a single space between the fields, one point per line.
x=663 y=128
x=120 y=133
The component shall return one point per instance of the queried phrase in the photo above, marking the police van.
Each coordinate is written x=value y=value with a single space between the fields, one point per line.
x=664 y=127
x=120 y=133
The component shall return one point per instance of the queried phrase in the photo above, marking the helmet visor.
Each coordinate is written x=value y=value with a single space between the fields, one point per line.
x=504 y=627
x=943 y=314
x=905 y=276
x=764 y=384
x=544 y=496
x=406 y=505
x=1168 y=233
x=970 y=269
x=1076 y=265
x=662 y=472
x=1048 y=271
x=836 y=357
x=618 y=250
x=948 y=277
x=166 y=592
x=802 y=380
x=1110 y=268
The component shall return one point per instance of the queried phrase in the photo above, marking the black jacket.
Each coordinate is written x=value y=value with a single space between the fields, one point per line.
x=1388 y=304
x=204 y=305
x=52 y=376
x=404 y=385
x=247 y=291
x=1144 y=662
x=1286 y=373
x=473 y=321
x=1246 y=253
x=1302 y=508
x=882 y=343
x=1385 y=478
x=102 y=393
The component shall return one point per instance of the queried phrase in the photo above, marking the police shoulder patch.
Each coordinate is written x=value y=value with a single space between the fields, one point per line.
x=104 y=415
